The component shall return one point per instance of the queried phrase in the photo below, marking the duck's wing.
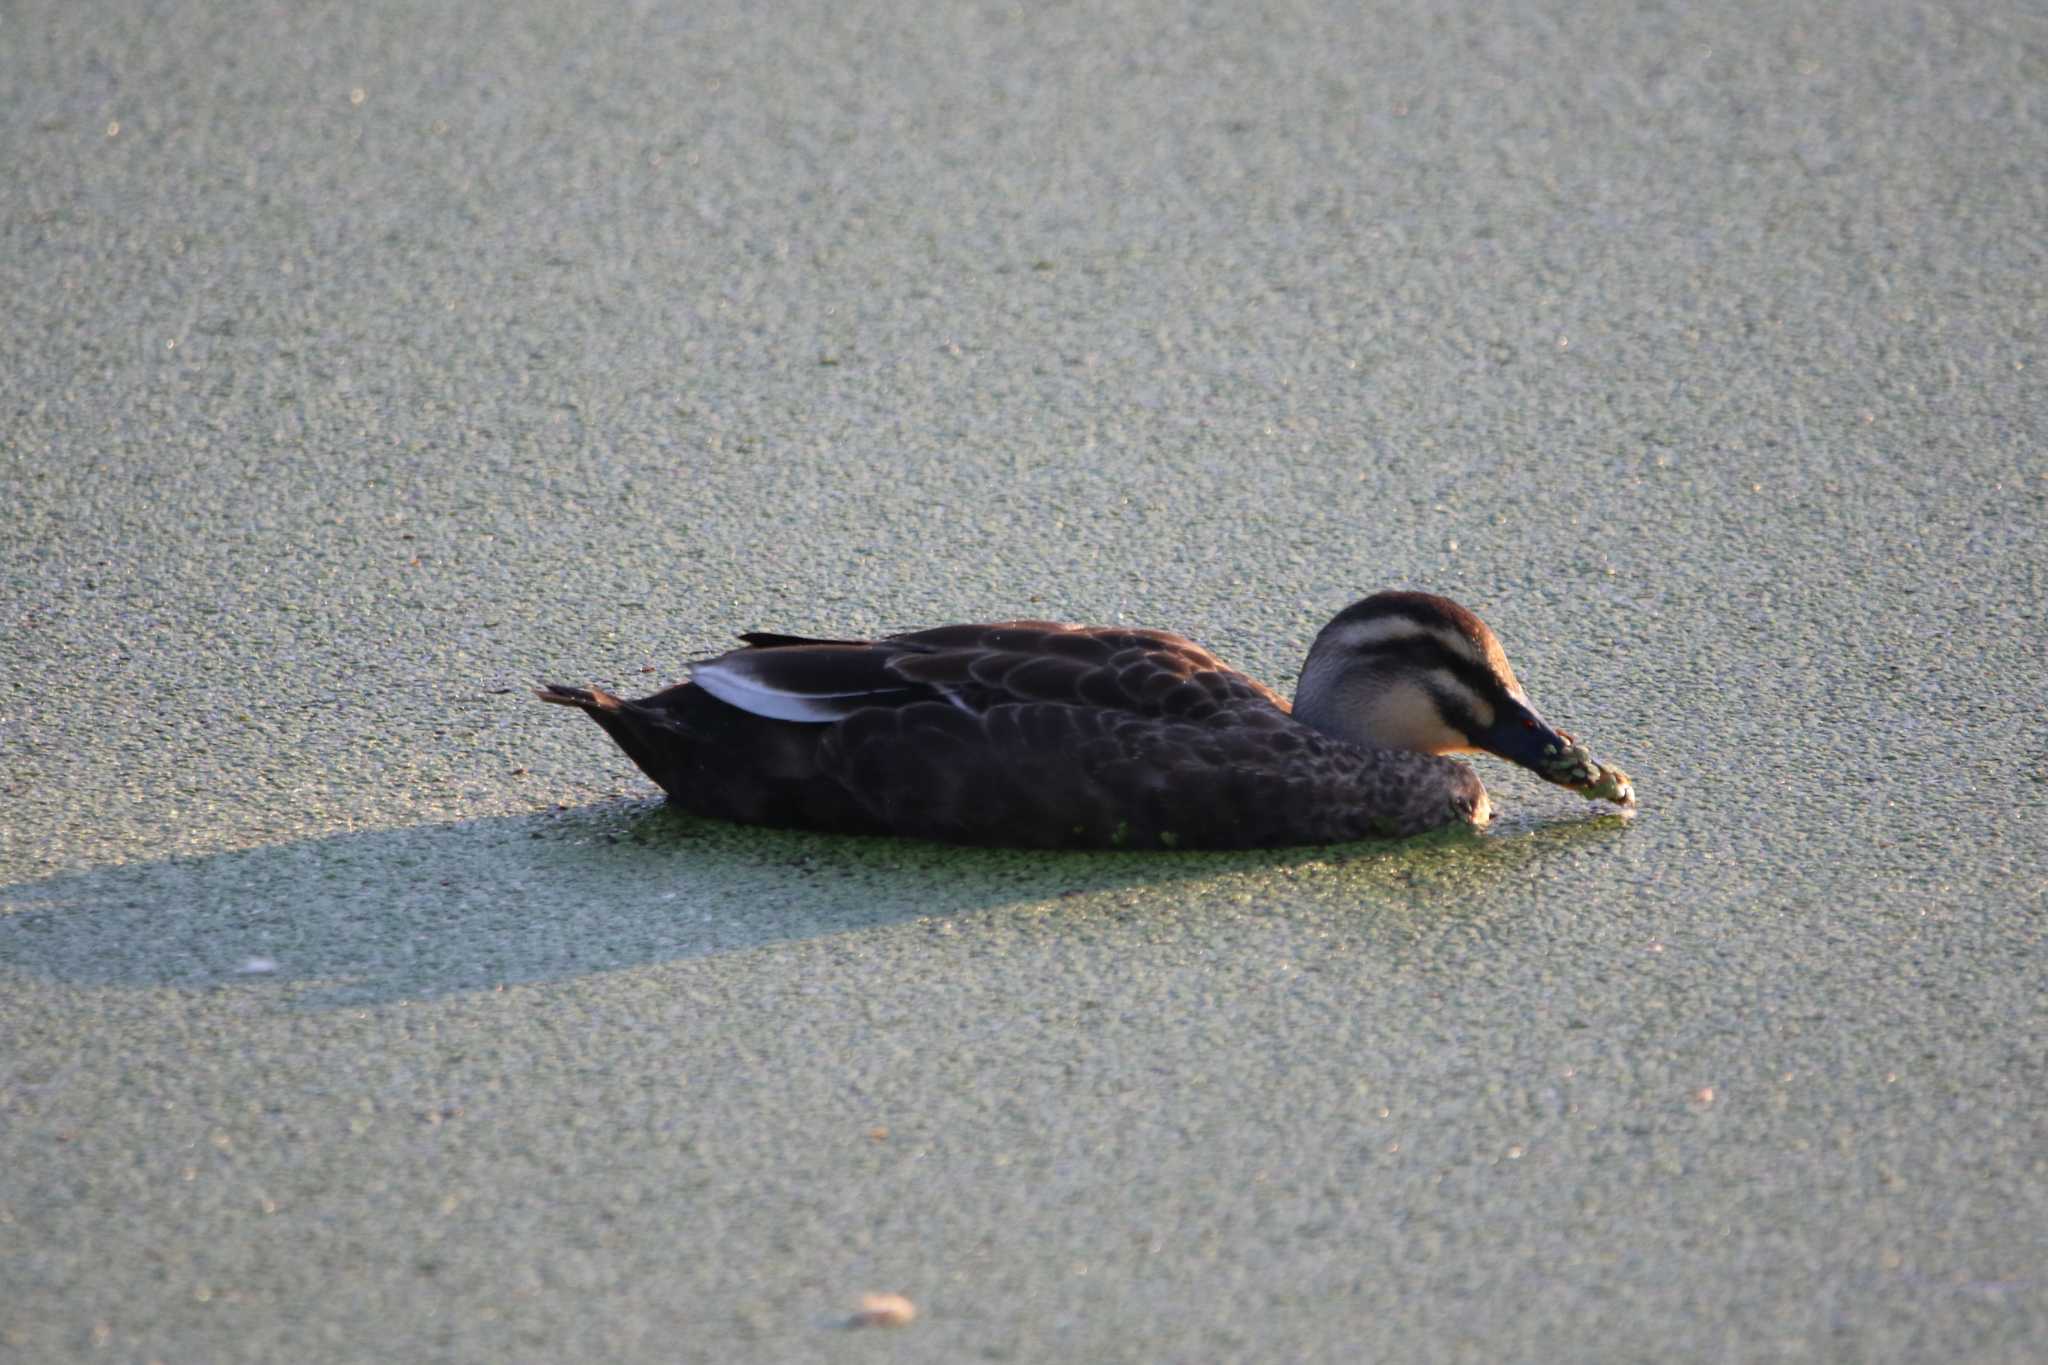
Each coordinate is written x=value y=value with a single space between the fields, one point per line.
x=805 y=680
x=975 y=668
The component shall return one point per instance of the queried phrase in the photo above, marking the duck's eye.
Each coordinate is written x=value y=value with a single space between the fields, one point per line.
x=1528 y=723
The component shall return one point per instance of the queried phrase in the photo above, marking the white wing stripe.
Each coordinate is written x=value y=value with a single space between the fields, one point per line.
x=750 y=694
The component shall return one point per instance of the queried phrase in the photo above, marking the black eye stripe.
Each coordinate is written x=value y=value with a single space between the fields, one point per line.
x=1421 y=653
x=1455 y=712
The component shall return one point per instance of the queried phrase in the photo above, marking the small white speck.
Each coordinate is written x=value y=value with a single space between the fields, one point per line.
x=257 y=966
x=884 y=1310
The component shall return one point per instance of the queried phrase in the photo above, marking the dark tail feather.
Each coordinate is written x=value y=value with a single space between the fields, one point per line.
x=635 y=729
x=591 y=699
x=768 y=639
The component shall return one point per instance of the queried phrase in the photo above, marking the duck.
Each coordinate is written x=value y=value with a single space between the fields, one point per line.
x=1038 y=734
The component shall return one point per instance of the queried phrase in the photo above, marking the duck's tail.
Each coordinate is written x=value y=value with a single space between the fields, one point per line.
x=632 y=727
x=589 y=698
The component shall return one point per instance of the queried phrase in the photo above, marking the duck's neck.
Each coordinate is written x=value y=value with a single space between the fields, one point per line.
x=1328 y=699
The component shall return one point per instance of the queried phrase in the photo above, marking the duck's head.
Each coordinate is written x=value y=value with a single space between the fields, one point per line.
x=1408 y=670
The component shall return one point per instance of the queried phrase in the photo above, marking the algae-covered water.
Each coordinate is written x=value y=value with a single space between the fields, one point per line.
x=364 y=366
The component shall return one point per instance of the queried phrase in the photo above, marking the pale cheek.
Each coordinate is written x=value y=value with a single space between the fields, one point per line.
x=1406 y=718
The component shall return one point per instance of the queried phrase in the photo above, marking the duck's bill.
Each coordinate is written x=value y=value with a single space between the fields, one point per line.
x=1521 y=736
x=1594 y=780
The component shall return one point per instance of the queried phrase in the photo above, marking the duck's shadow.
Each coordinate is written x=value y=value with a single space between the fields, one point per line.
x=366 y=918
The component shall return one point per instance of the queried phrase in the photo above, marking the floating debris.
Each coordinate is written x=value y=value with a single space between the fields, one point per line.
x=884 y=1310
